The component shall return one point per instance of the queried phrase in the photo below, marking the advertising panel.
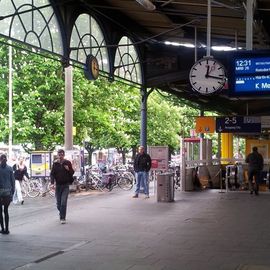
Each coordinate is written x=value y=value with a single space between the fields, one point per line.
x=159 y=156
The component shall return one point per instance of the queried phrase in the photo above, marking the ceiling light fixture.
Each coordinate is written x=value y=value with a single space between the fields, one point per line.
x=147 y=4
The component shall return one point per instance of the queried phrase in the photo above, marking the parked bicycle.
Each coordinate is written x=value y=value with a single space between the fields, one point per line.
x=40 y=186
x=113 y=179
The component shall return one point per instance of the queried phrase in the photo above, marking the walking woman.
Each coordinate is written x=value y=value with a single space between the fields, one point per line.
x=7 y=186
x=20 y=171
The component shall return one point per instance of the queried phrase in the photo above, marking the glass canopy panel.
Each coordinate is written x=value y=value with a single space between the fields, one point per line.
x=33 y=22
x=87 y=38
x=127 y=64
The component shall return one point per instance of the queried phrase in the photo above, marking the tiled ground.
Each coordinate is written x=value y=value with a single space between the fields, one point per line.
x=199 y=231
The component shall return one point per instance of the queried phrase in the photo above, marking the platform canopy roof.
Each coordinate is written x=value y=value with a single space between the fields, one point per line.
x=163 y=34
x=181 y=22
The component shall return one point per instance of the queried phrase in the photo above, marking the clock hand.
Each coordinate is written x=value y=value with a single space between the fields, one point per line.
x=207 y=72
x=214 y=77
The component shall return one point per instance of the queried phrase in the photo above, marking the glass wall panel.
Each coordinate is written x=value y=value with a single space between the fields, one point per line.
x=87 y=38
x=127 y=63
x=38 y=27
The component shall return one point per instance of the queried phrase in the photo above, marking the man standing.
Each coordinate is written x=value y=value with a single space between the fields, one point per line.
x=62 y=174
x=255 y=167
x=142 y=166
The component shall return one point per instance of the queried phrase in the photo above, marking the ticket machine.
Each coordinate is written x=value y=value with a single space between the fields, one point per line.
x=40 y=163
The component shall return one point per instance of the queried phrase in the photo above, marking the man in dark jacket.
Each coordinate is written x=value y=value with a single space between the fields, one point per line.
x=61 y=174
x=255 y=167
x=142 y=166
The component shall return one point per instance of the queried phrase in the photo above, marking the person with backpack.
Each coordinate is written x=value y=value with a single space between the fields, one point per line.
x=255 y=166
x=62 y=176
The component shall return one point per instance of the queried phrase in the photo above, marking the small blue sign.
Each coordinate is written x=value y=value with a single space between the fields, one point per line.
x=238 y=124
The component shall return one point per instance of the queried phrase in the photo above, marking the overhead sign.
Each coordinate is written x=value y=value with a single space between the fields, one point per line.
x=205 y=124
x=238 y=124
x=250 y=73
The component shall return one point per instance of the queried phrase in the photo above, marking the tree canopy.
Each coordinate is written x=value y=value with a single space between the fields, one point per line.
x=106 y=114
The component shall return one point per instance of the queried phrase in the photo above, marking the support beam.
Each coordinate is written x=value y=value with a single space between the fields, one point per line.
x=143 y=132
x=10 y=95
x=249 y=24
x=208 y=52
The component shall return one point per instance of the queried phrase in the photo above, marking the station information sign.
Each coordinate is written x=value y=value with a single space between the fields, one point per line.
x=159 y=156
x=251 y=73
x=238 y=124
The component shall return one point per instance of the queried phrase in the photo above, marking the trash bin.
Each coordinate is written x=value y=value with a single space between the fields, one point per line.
x=189 y=179
x=165 y=187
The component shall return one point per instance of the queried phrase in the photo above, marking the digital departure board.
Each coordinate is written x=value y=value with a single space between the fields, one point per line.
x=250 y=73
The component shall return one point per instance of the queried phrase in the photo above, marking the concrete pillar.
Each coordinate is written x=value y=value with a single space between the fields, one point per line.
x=68 y=108
x=226 y=145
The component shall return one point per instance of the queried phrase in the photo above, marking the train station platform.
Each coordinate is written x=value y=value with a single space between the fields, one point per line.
x=204 y=230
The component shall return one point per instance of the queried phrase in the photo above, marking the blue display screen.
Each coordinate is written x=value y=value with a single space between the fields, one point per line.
x=252 y=83
x=256 y=65
x=251 y=73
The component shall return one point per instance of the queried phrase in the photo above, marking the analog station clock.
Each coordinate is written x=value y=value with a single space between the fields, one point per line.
x=207 y=76
x=91 y=70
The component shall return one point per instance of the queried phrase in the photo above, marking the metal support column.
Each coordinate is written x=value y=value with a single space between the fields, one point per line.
x=201 y=114
x=10 y=95
x=208 y=49
x=219 y=147
x=249 y=24
x=143 y=134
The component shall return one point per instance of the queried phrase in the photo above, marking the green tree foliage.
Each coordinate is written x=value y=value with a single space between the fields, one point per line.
x=105 y=114
x=167 y=121
x=110 y=113
x=38 y=101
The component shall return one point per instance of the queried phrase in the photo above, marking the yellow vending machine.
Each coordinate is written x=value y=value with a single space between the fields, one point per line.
x=40 y=164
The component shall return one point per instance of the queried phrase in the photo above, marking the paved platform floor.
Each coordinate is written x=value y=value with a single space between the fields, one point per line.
x=205 y=230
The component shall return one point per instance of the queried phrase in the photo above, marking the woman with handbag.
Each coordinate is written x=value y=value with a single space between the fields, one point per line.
x=20 y=171
x=7 y=186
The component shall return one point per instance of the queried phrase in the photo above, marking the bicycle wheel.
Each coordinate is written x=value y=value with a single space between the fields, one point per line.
x=108 y=187
x=125 y=183
x=33 y=188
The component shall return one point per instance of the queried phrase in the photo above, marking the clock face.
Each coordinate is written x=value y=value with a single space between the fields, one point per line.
x=91 y=69
x=95 y=68
x=207 y=76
